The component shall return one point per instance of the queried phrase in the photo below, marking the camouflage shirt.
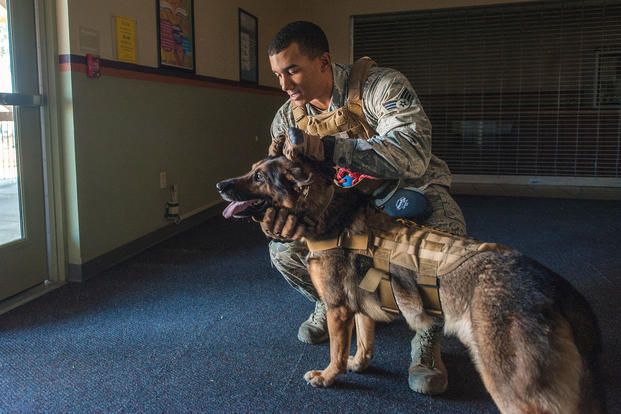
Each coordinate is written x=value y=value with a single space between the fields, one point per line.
x=402 y=147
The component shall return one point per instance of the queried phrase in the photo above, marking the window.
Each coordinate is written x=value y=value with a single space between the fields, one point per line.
x=516 y=89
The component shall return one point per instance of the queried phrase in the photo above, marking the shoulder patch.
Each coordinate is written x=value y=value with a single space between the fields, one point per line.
x=404 y=100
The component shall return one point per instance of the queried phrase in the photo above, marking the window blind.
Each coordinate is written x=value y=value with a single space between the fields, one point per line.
x=515 y=89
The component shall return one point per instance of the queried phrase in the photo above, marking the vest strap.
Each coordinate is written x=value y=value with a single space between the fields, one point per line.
x=371 y=280
x=321 y=245
x=300 y=116
x=387 y=296
x=428 y=282
x=353 y=241
x=379 y=280
x=343 y=240
x=381 y=262
x=357 y=78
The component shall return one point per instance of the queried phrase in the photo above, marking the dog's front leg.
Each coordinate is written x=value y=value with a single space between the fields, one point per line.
x=365 y=337
x=340 y=324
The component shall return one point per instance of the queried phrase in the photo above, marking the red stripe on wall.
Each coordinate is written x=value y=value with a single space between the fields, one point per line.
x=137 y=72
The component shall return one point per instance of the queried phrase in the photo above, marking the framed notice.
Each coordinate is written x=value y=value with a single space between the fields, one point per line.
x=248 y=39
x=175 y=26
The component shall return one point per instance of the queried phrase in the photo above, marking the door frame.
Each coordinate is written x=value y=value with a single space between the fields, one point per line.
x=47 y=40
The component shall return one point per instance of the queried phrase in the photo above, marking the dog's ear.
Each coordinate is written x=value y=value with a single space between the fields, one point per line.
x=299 y=177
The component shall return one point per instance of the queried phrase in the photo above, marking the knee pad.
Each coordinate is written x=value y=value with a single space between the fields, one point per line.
x=407 y=202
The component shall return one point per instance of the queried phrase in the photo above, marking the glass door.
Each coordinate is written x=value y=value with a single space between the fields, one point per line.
x=23 y=252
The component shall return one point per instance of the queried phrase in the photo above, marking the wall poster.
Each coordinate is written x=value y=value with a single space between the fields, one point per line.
x=248 y=39
x=176 y=34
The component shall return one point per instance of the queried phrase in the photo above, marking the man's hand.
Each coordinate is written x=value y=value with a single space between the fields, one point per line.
x=299 y=143
x=275 y=148
x=279 y=224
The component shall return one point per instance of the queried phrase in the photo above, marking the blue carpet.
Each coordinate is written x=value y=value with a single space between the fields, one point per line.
x=203 y=323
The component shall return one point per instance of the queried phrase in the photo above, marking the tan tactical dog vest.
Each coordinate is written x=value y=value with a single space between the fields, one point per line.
x=428 y=252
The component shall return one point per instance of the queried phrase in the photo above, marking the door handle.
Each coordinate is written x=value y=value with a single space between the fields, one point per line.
x=20 y=99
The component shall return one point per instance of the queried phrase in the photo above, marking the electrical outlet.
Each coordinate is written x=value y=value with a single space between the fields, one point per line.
x=163 y=180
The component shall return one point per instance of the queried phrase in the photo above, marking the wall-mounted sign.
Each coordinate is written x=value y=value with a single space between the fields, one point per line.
x=248 y=39
x=175 y=20
x=125 y=30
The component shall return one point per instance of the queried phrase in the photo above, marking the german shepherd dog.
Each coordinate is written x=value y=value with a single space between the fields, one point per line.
x=533 y=338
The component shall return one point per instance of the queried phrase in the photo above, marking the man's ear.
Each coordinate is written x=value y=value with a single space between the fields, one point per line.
x=326 y=61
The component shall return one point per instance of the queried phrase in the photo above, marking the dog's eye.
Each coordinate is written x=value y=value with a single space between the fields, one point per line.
x=258 y=176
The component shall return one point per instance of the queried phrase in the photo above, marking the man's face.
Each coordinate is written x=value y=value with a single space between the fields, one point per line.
x=302 y=78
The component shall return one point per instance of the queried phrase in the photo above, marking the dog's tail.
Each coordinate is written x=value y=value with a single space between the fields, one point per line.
x=587 y=336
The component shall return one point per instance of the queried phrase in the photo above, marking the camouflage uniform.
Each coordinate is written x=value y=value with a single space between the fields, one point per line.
x=401 y=150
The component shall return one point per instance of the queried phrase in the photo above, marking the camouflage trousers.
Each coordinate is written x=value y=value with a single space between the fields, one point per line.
x=290 y=258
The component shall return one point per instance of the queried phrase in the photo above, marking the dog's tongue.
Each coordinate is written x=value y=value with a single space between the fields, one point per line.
x=235 y=207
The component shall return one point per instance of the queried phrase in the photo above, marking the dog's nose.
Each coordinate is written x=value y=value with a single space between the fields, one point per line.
x=222 y=185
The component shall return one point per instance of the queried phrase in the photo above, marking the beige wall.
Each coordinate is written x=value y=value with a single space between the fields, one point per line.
x=216 y=27
x=216 y=31
x=98 y=16
x=218 y=39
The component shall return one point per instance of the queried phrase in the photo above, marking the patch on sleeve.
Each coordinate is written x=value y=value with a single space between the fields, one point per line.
x=403 y=101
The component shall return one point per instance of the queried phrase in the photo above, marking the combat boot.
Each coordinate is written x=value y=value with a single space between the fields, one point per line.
x=427 y=373
x=314 y=330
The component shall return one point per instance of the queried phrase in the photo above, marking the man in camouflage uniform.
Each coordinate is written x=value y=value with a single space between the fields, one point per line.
x=400 y=149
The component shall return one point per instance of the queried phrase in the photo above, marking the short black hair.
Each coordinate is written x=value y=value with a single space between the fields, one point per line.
x=309 y=37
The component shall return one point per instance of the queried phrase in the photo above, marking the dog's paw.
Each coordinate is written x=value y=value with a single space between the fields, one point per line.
x=317 y=379
x=357 y=365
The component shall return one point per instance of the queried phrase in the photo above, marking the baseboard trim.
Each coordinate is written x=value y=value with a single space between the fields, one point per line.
x=90 y=269
x=544 y=191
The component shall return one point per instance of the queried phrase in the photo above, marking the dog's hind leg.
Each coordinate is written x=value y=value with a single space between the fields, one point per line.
x=365 y=337
x=340 y=326
x=538 y=372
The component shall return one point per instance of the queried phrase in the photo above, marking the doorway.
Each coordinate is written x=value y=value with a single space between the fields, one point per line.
x=23 y=236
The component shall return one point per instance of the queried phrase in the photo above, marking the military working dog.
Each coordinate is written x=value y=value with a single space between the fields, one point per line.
x=533 y=338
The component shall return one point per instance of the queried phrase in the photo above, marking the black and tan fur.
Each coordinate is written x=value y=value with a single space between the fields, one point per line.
x=533 y=338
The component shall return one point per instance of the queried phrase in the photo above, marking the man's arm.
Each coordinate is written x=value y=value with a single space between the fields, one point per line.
x=402 y=148
x=278 y=130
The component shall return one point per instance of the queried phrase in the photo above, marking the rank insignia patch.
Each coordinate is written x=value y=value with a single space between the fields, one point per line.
x=404 y=101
